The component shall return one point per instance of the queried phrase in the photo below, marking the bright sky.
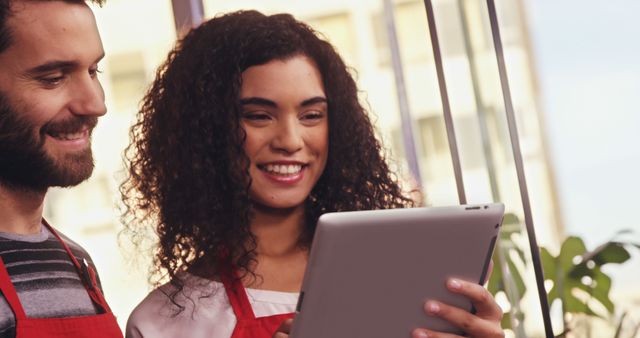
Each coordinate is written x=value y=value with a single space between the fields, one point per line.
x=587 y=55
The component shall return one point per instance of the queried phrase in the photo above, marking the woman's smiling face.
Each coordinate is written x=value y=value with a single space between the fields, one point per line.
x=284 y=115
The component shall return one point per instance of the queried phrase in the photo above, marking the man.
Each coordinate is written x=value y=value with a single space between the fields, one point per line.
x=50 y=100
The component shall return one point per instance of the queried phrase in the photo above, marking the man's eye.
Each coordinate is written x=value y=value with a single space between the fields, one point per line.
x=52 y=81
x=95 y=71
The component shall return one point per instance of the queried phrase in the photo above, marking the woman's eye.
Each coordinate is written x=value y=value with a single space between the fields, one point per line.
x=313 y=116
x=256 y=116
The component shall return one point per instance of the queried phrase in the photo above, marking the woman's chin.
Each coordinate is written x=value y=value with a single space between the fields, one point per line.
x=278 y=207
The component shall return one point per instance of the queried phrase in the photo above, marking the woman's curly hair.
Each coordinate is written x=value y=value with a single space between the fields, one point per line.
x=188 y=173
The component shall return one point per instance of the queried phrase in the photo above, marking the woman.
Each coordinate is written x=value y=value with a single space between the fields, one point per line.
x=250 y=132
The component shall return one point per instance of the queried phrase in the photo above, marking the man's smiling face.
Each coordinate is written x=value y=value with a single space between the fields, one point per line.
x=50 y=96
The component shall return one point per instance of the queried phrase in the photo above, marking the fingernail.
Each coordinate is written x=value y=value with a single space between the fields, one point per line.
x=455 y=284
x=420 y=334
x=433 y=307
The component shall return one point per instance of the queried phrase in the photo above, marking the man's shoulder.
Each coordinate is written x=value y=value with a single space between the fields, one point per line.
x=43 y=276
x=78 y=251
x=73 y=245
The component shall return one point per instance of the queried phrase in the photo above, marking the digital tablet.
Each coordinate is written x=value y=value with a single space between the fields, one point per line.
x=370 y=272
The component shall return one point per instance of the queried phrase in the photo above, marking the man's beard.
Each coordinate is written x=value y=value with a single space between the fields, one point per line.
x=24 y=162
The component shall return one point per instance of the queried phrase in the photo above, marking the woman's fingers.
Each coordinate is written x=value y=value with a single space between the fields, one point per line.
x=424 y=333
x=471 y=324
x=484 y=323
x=284 y=329
x=484 y=303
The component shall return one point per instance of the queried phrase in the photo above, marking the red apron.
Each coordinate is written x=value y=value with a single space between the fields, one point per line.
x=98 y=326
x=248 y=326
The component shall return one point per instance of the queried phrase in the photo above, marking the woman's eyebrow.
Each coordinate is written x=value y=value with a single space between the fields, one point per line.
x=258 y=101
x=313 y=100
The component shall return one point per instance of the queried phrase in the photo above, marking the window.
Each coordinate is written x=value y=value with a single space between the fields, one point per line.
x=128 y=79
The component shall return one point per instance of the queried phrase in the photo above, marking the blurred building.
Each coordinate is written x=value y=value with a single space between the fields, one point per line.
x=137 y=35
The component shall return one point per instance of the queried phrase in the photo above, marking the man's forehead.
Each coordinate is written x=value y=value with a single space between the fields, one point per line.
x=41 y=12
x=53 y=29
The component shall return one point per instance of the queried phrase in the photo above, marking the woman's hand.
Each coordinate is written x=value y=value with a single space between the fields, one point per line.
x=485 y=323
x=284 y=329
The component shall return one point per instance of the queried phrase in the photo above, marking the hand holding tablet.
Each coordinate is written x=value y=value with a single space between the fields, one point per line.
x=401 y=273
x=484 y=323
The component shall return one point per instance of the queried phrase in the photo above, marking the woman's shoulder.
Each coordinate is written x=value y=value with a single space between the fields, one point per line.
x=142 y=319
x=169 y=310
x=146 y=319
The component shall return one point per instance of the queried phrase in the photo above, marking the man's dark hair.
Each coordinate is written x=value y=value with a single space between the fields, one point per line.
x=5 y=13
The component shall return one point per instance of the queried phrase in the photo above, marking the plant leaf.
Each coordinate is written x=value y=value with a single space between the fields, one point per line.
x=553 y=294
x=601 y=290
x=510 y=218
x=505 y=323
x=496 y=283
x=598 y=290
x=572 y=304
x=516 y=275
x=548 y=264
x=610 y=252
x=573 y=246
x=568 y=275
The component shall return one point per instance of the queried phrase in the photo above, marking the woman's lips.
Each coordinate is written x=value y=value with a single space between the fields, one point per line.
x=283 y=172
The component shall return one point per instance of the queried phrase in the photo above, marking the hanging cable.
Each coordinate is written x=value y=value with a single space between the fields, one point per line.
x=517 y=155
x=446 y=108
x=408 y=139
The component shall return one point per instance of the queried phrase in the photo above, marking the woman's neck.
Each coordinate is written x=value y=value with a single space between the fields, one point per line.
x=277 y=230
x=280 y=260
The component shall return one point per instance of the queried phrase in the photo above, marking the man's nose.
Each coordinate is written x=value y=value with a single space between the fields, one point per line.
x=88 y=98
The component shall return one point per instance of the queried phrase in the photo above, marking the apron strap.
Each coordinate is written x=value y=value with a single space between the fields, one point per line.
x=10 y=293
x=86 y=273
x=237 y=296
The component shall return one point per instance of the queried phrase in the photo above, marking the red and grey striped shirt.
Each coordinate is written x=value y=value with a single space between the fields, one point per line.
x=44 y=277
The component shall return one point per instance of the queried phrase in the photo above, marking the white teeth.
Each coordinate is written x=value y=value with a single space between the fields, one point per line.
x=283 y=169
x=69 y=137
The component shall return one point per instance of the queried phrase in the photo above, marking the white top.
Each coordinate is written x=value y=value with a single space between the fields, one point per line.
x=207 y=312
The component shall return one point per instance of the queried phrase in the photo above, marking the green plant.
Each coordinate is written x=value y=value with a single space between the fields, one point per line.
x=578 y=284
x=509 y=262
